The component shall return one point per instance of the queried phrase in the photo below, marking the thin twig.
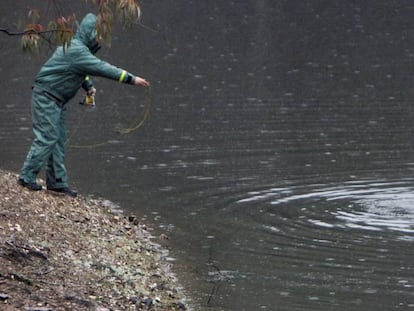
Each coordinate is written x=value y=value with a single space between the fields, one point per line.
x=30 y=31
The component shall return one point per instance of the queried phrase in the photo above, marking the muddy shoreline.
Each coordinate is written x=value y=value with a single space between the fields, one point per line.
x=60 y=253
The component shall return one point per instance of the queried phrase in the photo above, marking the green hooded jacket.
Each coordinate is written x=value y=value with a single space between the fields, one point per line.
x=65 y=72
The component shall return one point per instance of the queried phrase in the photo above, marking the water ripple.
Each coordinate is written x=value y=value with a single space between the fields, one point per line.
x=370 y=205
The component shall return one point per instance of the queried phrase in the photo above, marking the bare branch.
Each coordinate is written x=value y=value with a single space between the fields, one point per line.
x=6 y=31
x=30 y=31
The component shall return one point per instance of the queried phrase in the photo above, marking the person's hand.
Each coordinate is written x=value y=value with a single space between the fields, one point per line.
x=91 y=92
x=141 y=82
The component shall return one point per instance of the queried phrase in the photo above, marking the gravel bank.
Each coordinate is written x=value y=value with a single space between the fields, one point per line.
x=59 y=253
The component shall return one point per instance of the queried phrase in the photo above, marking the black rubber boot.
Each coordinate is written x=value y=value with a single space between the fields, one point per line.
x=65 y=190
x=29 y=185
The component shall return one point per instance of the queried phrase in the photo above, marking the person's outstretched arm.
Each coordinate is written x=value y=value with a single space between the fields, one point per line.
x=86 y=63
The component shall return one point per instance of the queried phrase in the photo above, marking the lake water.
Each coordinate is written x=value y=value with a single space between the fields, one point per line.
x=278 y=156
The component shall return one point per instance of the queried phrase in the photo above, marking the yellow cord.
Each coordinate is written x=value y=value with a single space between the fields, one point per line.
x=124 y=131
x=147 y=108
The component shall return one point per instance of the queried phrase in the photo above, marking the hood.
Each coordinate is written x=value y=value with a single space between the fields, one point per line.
x=87 y=30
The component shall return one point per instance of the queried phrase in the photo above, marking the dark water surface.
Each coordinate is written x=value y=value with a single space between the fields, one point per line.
x=278 y=156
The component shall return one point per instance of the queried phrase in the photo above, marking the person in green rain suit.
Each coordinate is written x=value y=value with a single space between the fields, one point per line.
x=57 y=82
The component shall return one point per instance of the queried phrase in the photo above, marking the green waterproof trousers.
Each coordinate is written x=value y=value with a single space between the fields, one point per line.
x=49 y=146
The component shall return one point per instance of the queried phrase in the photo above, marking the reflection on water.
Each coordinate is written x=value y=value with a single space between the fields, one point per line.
x=278 y=155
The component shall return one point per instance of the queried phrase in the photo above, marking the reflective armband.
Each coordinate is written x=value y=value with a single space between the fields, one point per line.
x=87 y=83
x=122 y=77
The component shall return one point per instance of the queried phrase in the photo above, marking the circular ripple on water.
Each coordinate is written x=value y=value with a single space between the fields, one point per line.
x=330 y=244
x=369 y=205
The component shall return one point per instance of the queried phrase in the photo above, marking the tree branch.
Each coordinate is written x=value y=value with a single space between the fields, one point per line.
x=6 y=31
x=30 y=31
